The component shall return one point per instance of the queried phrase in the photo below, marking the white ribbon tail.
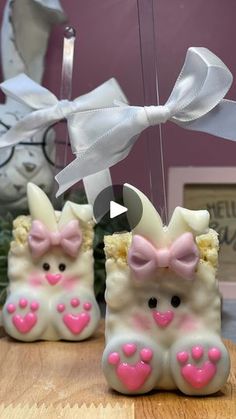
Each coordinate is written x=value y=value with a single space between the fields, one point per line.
x=27 y=127
x=96 y=183
x=80 y=169
x=111 y=147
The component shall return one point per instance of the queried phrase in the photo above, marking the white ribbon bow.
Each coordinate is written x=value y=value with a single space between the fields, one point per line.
x=103 y=127
x=47 y=110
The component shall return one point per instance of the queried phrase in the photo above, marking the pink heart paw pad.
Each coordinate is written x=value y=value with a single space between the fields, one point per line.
x=202 y=370
x=132 y=375
x=25 y=318
x=78 y=317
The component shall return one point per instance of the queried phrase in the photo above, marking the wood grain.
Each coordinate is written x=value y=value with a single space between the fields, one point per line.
x=64 y=379
x=67 y=412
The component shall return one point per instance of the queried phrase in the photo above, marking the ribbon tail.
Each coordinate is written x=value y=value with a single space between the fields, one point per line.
x=96 y=183
x=220 y=121
x=27 y=92
x=95 y=176
x=117 y=130
x=27 y=128
x=91 y=162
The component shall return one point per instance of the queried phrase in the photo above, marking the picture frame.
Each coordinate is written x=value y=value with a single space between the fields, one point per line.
x=214 y=189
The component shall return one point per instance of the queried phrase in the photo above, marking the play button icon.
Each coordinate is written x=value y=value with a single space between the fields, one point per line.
x=116 y=209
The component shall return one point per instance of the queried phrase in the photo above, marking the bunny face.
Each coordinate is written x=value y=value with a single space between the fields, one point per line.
x=52 y=272
x=163 y=305
x=24 y=162
x=50 y=269
x=148 y=290
x=52 y=249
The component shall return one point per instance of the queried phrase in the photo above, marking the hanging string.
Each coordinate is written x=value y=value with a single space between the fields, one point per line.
x=145 y=13
x=154 y=23
x=65 y=93
x=67 y=73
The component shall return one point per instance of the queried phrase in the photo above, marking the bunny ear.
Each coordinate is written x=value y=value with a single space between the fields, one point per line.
x=72 y=211
x=185 y=220
x=24 y=36
x=150 y=226
x=40 y=207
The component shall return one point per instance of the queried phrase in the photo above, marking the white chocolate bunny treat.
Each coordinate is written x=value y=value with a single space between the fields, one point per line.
x=25 y=31
x=50 y=269
x=163 y=306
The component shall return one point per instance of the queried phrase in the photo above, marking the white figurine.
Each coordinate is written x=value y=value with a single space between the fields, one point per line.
x=163 y=306
x=24 y=37
x=50 y=269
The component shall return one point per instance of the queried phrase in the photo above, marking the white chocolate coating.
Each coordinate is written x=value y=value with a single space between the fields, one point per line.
x=163 y=331
x=51 y=297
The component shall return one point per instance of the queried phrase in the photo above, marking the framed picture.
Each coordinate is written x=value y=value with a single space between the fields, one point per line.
x=214 y=189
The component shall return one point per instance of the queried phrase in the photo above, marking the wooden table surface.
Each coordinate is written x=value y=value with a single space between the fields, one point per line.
x=64 y=380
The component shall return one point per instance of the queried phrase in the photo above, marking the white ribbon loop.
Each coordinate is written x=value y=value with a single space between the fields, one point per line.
x=203 y=82
x=26 y=91
x=200 y=87
x=49 y=110
x=103 y=127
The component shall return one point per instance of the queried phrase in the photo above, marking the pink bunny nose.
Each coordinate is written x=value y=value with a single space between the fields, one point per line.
x=53 y=278
x=163 y=319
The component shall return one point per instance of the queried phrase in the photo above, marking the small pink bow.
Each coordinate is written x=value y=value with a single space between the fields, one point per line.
x=41 y=239
x=181 y=257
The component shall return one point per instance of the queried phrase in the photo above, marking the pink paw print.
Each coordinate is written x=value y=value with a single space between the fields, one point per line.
x=132 y=375
x=200 y=373
x=75 y=320
x=26 y=317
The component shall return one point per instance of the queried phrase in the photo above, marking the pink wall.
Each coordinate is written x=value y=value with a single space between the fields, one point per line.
x=183 y=23
x=108 y=45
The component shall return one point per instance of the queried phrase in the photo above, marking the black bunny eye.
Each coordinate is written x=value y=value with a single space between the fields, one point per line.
x=46 y=266
x=175 y=301
x=152 y=302
x=62 y=267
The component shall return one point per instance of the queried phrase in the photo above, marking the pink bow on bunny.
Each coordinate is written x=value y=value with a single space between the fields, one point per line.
x=181 y=257
x=41 y=239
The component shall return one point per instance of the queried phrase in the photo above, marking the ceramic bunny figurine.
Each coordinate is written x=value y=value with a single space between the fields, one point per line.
x=50 y=293
x=163 y=306
x=24 y=37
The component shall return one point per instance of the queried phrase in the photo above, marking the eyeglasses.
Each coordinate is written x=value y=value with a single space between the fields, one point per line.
x=48 y=146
